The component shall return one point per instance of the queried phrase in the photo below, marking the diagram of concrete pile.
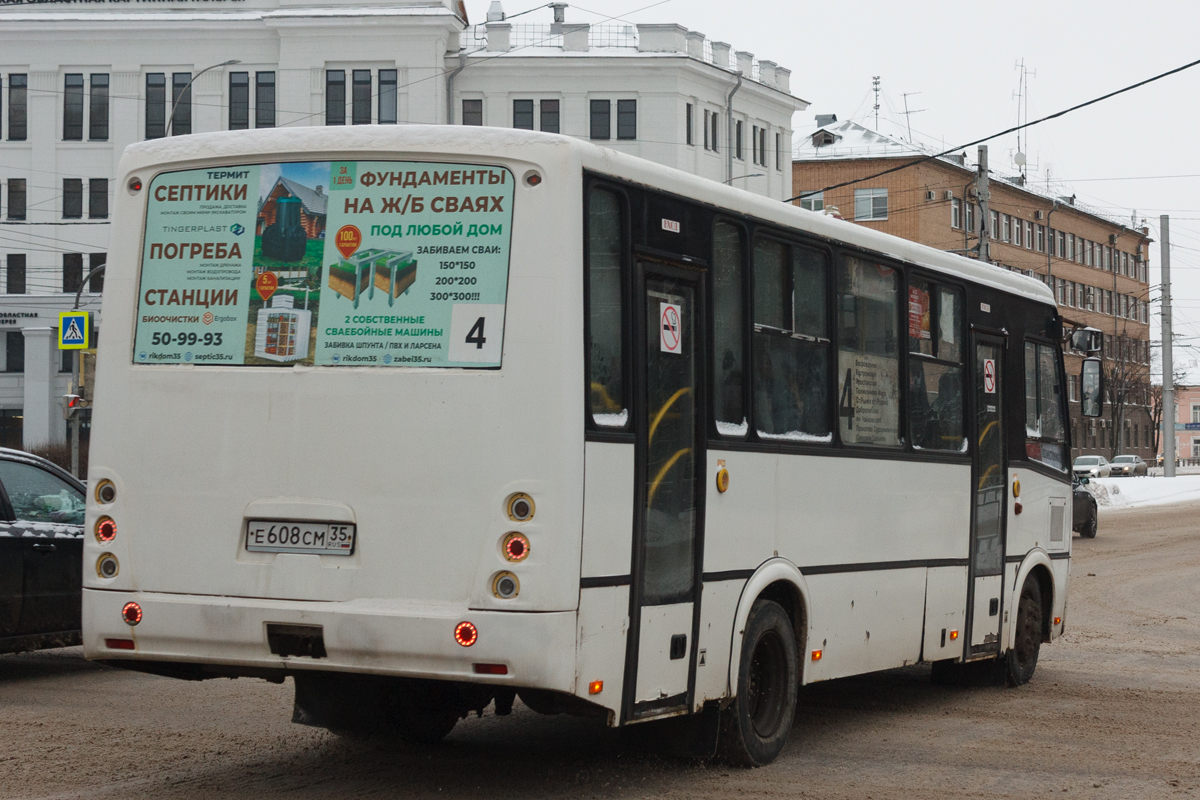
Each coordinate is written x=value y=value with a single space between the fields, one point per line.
x=390 y=271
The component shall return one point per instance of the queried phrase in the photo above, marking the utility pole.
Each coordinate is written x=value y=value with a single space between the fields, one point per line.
x=983 y=194
x=875 y=88
x=1168 y=385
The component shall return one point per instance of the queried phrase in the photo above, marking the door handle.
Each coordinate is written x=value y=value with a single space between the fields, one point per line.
x=45 y=547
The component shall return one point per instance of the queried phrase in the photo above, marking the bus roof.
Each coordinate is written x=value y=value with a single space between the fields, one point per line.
x=429 y=141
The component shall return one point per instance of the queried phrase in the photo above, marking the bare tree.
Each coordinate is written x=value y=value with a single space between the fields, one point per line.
x=1127 y=380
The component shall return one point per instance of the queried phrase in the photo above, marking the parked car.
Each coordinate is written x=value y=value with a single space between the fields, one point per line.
x=1128 y=466
x=1092 y=467
x=1086 y=516
x=41 y=553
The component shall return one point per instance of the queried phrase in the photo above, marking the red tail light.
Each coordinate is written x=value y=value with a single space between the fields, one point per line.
x=466 y=634
x=119 y=644
x=106 y=529
x=491 y=669
x=131 y=613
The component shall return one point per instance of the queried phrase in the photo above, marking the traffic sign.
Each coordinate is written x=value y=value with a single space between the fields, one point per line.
x=73 y=329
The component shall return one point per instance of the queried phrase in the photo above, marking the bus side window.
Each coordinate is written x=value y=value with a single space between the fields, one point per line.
x=1045 y=432
x=868 y=353
x=606 y=397
x=790 y=344
x=935 y=371
x=729 y=250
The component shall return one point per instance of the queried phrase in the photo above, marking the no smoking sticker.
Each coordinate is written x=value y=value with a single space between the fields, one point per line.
x=670 y=328
x=989 y=375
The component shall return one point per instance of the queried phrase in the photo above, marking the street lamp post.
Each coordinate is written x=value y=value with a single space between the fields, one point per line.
x=175 y=100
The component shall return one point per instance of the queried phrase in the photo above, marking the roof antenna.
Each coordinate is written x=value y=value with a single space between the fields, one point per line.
x=875 y=88
x=1022 y=95
x=907 y=113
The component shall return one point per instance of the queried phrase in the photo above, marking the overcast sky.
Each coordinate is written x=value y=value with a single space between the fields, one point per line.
x=961 y=58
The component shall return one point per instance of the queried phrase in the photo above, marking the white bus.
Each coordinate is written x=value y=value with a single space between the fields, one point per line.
x=626 y=442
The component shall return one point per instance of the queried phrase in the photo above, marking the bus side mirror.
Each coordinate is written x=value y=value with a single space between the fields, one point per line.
x=1086 y=340
x=1091 y=381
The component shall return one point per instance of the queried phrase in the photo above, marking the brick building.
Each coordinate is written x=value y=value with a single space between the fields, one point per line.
x=1096 y=265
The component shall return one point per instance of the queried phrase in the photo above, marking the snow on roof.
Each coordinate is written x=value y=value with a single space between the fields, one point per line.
x=315 y=204
x=159 y=15
x=852 y=140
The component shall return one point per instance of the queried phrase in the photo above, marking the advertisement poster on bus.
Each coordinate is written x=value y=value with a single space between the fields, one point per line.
x=326 y=263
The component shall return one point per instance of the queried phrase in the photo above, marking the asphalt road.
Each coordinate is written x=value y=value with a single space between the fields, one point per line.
x=1113 y=712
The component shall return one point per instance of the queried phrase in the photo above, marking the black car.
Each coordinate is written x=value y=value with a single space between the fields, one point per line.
x=1086 y=514
x=41 y=553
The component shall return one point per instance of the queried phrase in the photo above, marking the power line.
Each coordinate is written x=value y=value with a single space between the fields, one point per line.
x=1013 y=129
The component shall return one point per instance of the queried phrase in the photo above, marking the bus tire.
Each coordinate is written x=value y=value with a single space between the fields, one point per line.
x=1089 y=530
x=1021 y=659
x=756 y=724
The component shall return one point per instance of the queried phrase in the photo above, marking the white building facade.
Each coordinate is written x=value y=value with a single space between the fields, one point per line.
x=79 y=81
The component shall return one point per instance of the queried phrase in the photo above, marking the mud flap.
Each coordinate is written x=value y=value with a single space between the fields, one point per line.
x=690 y=736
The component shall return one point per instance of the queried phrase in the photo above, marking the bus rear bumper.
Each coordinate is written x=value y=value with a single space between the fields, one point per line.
x=375 y=637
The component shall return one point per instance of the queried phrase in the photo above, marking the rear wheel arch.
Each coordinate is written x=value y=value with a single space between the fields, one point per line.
x=1036 y=567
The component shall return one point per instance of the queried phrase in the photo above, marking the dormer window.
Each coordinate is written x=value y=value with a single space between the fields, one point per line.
x=822 y=138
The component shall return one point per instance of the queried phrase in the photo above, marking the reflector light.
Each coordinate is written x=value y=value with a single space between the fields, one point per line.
x=131 y=613
x=466 y=634
x=516 y=547
x=953 y=635
x=816 y=655
x=107 y=566
x=595 y=687
x=506 y=586
x=533 y=179
x=135 y=184
x=1058 y=620
x=722 y=480
x=106 y=491
x=520 y=507
x=119 y=644
x=491 y=669
x=106 y=529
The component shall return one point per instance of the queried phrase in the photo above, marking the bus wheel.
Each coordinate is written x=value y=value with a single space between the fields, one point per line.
x=1021 y=660
x=755 y=726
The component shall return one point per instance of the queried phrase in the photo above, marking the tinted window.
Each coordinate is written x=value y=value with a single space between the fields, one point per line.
x=39 y=496
x=935 y=371
x=606 y=333
x=868 y=353
x=1045 y=435
x=729 y=246
x=790 y=344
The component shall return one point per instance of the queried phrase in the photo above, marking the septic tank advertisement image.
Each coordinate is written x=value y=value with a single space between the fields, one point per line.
x=329 y=264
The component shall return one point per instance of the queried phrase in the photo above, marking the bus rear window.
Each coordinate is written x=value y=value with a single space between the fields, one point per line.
x=351 y=263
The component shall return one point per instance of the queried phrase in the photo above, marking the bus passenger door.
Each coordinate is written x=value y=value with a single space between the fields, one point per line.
x=985 y=591
x=669 y=490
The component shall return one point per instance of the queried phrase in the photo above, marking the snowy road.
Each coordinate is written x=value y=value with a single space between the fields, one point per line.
x=1111 y=713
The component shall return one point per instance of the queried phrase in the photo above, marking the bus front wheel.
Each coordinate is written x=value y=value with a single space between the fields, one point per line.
x=756 y=724
x=1021 y=660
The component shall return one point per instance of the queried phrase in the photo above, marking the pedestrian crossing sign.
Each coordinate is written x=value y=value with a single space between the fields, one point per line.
x=73 y=330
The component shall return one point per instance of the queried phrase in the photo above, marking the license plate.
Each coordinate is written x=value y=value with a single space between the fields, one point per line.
x=283 y=536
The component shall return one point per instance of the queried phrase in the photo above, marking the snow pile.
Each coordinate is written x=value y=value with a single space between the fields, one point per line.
x=1137 y=492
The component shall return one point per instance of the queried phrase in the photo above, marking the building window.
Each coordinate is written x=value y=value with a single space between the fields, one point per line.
x=993 y=224
x=779 y=151
x=156 y=105
x=1041 y=238
x=18 y=105
x=387 y=97
x=264 y=100
x=754 y=144
x=15 y=345
x=16 y=274
x=969 y=217
x=239 y=101
x=16 y=198
x=627 y=119
x=871 y=204
x=737 y=140
x=687 y=124
x=1196 y=413
x=1017 y=227
x=955 y=213
x=98 y=198
x=601 y=112
x=98 y=108
x=709 y=131
x=72 y=275
x=73 y=108
x=813 y=201
x=335 y=97
x=1073 y=388
x=95 y=261
x=762 y=147
x=472 y=112
x=181 y=102
x=1004 y=227
x=72 y=198
x=362 y=97
x=523 y=114
x=550 y=116
x=1028 y=235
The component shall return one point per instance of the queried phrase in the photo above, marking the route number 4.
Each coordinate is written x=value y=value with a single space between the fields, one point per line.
x=475 y=335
